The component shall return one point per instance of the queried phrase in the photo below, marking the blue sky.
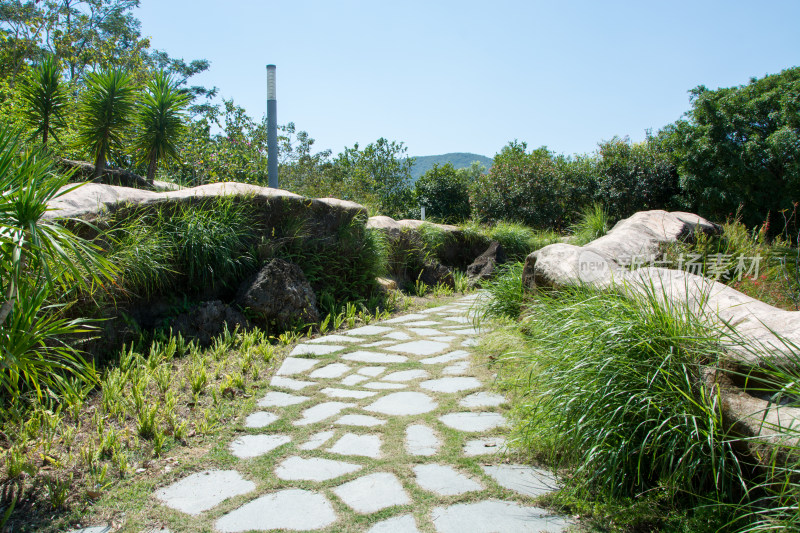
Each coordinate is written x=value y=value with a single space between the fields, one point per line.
x=469 y=76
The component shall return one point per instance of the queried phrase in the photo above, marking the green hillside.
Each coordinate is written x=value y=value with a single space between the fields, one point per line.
x=459 y=160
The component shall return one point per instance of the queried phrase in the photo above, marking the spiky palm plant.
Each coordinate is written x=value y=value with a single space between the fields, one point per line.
x=105 y=113
x=161 y=121
x=38 y=255
x=46 y=99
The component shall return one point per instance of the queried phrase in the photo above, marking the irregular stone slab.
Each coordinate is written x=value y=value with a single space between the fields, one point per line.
x=354 y=380
x=280 y=399
x=289 y=383
x=446 y=358
x=314 y=469
x=482 y=399
x=459 y=319
x=314 y=349
x=373 y=357
x=398 y=336
x=316 y=440
x=473 y=422
x=371 y=371
x=333 y=338
x=405 y=375
x=420 y=347
x=398 y=524
x=456 y=368
x=359 y=445
x=524 y=479
x=380 y=385
x=376 y=344
x=260 y=419
x=369 y=330
x=204 y=490
x=360 y=420
x=421 y=440
x=406 y=318
x=470 y=342
x=490 y=446
x=451 y=384
x=444 y=480
x=468 y=331
x=425 y=332
x=372 y=493
x=421 y=323
x=293 y=509
x=322 y=411
x=248 y=446
x=403 y=403
x=444 y=338
x=333 y=370
x=347 y=393
x=494 y=516
x=294 y=365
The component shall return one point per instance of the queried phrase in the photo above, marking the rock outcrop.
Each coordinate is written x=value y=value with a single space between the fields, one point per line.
x=759 y=333
x=484 y=265
x=279 y=296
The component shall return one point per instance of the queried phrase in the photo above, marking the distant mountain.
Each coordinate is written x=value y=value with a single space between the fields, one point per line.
x=458 y=159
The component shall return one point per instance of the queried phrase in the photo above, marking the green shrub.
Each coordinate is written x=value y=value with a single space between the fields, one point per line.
x=518 y=240
x=444 y=193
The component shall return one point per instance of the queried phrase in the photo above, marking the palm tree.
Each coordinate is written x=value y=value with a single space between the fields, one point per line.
x=161 y=121
x=105 y=113
x=46 y=99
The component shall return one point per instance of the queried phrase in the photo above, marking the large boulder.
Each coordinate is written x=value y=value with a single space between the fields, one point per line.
x=435 y=273
x=484 y=265
x=456 y=249
x=279 y=296
x=208 y=320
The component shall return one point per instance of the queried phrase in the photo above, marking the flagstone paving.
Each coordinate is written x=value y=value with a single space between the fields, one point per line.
x=365 y=434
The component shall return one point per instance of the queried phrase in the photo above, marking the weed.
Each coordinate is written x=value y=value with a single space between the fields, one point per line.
x=58 y=490
x=592 y=224
x=506 y=295
x=147 y=422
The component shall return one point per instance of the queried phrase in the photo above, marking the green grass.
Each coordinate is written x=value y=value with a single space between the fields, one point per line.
x=518 y=240
x=593 y=223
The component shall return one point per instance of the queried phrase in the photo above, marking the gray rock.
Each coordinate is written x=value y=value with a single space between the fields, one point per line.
x=482 y=399
x=260 y=419
x=397 y=524
x=280 y=399
x=358 y=445
x=204 y=490
x=473 y=422
x=449 y=385
x=322 y=411
x=488 y=446
x=402 y=404
x=420 y=347
x=484 y=265
x=279 y=295
x=421 y=440
x=295 y=365
x=316 y=440
x=291 y=509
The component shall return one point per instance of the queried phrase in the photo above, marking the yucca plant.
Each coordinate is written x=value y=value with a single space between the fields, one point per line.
x=161 y=121
x=37 y=256
x=46 y=99
x=105 y=113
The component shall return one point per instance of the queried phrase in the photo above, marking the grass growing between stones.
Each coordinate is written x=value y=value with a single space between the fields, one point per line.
x=608 y=389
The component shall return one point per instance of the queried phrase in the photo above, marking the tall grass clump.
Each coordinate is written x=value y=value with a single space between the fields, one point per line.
x=517 y=240
x=505 y=295
x=615 y=395
x=593 y=223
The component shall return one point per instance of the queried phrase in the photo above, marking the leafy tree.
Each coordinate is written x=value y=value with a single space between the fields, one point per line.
x=523 y=187
x=444 y=193
x=161 y=121
x=105 y=113
x=46 y=99
x=740 y=146
x=381 y=172
x=474 y=171
x=634 y=177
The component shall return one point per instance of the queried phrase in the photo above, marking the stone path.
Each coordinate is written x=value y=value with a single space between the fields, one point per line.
x=386 y=428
